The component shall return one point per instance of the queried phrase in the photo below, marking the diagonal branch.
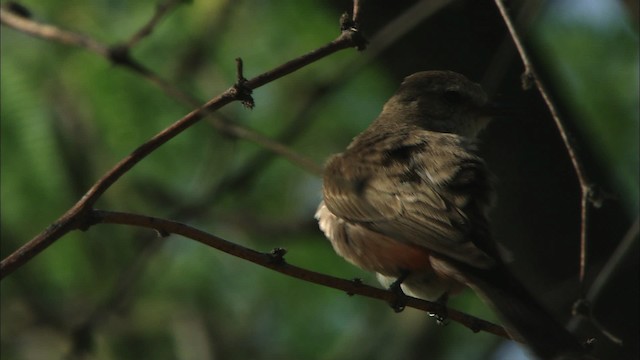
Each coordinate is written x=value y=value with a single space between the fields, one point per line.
x=274 y=260
x=75 y=218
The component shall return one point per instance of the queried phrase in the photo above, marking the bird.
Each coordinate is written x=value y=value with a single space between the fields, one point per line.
x=409 y=200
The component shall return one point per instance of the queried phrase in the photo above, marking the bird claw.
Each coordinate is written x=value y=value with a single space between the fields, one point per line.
x=400 y=302
x=441 y=315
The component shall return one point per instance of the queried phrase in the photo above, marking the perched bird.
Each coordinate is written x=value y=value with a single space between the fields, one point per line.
x=409 y=198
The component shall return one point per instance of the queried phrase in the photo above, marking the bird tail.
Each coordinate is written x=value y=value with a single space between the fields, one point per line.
x=524 y=318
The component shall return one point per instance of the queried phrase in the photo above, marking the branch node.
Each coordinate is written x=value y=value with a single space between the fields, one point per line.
x=584 y=308
x=87 y=219
x=119 y=54
x=242 y=92
x=527 y=79
x=276 y=256
x=596 y=196
x=350 y=27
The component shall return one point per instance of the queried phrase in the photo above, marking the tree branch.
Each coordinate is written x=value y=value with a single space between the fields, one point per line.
x=274 y=260
x=586 y=186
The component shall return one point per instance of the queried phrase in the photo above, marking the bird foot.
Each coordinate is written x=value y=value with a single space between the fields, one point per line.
x=400 y=302
x=441 y=315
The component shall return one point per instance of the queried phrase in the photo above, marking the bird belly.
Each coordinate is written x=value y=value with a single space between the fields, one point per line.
x=387 y=257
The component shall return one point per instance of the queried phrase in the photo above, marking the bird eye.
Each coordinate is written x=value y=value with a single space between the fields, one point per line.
x=452 y=96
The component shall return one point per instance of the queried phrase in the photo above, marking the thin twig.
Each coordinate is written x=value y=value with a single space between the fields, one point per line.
x=75 y=218
x=52 y=33
x=275 y=261
x=586 y=187
x=627 y=247
x=355 y=17
x=161 y=11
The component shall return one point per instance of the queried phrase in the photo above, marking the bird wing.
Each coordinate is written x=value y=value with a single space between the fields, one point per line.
x=403 y=186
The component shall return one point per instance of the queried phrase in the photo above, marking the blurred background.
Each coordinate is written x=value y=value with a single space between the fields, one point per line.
x=116 y=292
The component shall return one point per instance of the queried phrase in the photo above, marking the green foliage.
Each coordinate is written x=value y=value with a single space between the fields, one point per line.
x=68 y=115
